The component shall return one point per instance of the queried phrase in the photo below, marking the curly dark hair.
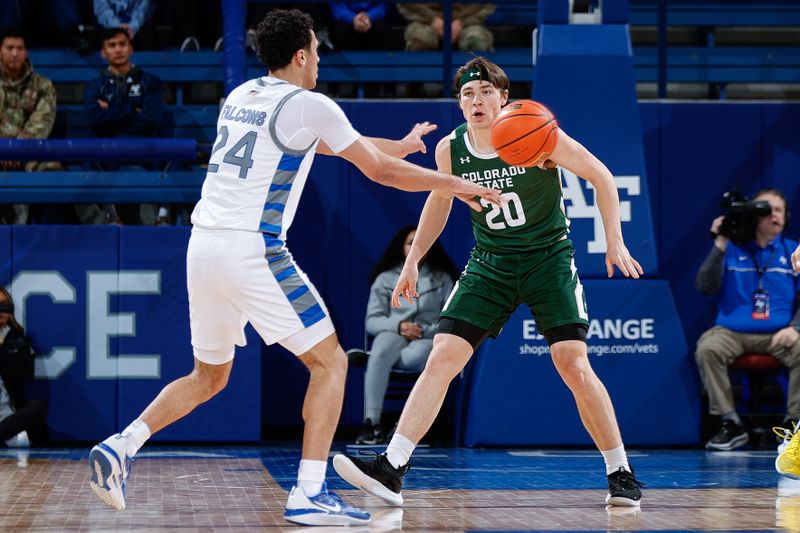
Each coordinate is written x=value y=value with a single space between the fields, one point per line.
x=282 y=33
x=436 y=258
x=12 y=322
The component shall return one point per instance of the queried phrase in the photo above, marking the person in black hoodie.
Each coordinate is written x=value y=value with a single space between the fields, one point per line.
x=124 y=101
x=21 y=420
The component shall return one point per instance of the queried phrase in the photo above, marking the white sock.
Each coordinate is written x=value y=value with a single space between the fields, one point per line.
x=137 y=434
x=615 y=459
x=399 y=450
x=311 y=475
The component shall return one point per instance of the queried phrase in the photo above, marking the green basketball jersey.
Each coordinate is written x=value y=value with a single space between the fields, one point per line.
x=534 y=215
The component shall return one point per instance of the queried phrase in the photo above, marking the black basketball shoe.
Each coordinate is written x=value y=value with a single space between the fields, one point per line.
x=623 y=488
x=376 y=476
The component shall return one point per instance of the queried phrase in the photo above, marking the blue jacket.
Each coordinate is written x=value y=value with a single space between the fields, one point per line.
x=115 y=13
x=740 y=281
x=135 y=104
x=347 y=11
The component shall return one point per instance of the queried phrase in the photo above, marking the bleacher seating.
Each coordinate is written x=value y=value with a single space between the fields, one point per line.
x=693 y=64
x=757 y=13
x=709 y=64
x=684 y=64
x=720 y=64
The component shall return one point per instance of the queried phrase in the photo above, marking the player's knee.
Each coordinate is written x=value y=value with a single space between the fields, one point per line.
x=211 y=379
x=329 y=362
x=572 y=364
x=442 y=365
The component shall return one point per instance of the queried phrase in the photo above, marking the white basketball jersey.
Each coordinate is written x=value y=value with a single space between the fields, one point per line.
x=267 y=134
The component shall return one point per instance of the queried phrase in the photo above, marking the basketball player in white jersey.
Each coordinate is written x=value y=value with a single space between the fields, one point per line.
x=239 y=269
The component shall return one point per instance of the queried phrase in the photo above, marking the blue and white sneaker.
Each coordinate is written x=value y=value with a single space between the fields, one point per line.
x=324 y=509
x=110 y=466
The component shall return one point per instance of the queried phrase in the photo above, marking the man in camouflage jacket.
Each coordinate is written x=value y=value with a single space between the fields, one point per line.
x=27 y=101
x=27 y=111
x=426 y=26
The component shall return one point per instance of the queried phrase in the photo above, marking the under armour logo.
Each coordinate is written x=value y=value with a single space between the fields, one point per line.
x=783 y=260
x=464 y=160
x=471 y=74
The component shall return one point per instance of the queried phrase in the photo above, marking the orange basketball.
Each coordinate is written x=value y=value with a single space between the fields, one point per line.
x=524 y=133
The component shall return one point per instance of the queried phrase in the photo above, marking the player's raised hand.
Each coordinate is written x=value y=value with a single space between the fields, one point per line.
x=463 y=189
x=406 y=285
x=618 y=254
x=413 y=142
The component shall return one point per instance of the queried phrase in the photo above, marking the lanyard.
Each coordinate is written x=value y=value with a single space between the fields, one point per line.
x=759 y=270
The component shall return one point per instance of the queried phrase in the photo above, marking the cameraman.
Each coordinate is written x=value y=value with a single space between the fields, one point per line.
x=20 y=420
x=757 y=312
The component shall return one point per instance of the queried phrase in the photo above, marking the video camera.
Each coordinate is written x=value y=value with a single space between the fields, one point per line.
x=741 y=216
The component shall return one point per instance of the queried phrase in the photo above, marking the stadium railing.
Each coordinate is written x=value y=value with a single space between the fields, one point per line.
x=78 y=186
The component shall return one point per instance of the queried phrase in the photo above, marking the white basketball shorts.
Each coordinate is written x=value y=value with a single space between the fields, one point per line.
x=236 y=277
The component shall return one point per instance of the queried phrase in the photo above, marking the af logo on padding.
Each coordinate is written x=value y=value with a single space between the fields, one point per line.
x=578 y=207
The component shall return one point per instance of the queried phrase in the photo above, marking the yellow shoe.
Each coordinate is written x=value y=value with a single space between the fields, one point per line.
x=785 y=435
x=788 y=461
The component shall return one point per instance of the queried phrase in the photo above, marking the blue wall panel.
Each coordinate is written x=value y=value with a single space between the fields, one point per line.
x=637 y=350
x=781 y=151
x=107 y=307
x=51 y=272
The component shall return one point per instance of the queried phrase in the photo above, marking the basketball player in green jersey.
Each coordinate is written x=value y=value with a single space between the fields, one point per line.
x=522 y=255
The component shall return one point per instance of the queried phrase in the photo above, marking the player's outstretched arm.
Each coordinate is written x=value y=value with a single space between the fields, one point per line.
x=571 y=155
x=394 y=172
x=796 y=259
x=410 y=144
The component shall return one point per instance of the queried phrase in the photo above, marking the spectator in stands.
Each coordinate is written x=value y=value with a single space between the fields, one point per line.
x=426 y=26
x=130 y=15
x=124 y=101
x=21 y=420
x=757 y=313
x=27 y=110
x=403 y=337
x=360 y=26
x=37 y=17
